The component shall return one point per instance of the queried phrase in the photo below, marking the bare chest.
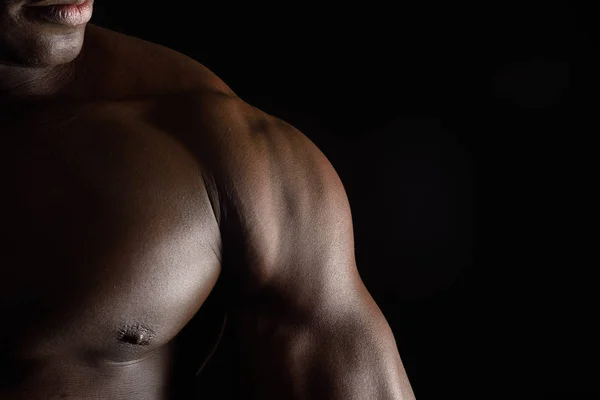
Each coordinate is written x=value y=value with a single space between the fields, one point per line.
x=108 y=240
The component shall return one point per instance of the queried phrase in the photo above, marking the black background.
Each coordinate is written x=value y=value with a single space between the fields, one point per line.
x=405 y=101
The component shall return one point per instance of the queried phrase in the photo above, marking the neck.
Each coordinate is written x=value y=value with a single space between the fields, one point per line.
x=19 y=84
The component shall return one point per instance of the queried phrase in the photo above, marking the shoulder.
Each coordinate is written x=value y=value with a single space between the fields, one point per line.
x=268 y=179
x=118 y=66
x=276 y=198
x=280 y=205
x=249 y=144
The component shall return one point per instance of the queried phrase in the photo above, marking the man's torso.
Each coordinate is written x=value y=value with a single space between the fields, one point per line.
x=111 y=246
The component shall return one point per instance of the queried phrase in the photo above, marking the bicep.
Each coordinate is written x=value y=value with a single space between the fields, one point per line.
x=305 y=321
x=293 y=225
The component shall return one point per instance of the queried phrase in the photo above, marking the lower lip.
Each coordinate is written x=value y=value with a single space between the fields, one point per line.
x=64 y=14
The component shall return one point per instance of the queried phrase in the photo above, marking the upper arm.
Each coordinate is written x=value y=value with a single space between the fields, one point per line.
x=286 y=222
x=306 y=322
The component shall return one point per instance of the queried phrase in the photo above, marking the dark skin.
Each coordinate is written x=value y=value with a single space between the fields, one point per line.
x=136 y=180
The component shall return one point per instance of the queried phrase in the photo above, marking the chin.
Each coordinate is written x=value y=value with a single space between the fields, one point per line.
x=58 y=50
x=38 y=45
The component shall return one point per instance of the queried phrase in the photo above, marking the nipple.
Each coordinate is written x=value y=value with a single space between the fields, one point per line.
x=136 y=334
